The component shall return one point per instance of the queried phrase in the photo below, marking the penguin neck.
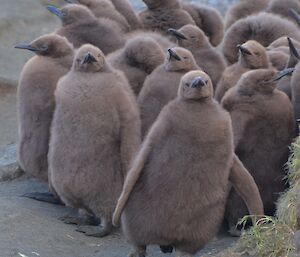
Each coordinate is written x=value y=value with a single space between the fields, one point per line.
x=171 y=4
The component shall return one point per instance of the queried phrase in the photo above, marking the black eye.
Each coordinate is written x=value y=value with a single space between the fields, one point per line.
x=185 y=57
x=187 y=84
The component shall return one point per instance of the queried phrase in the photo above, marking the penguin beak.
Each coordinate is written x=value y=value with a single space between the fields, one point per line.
x=55 y=11
x=198 y=82
x=294 y=55
x=173 y=55
x=177 y=34
x=88 y=58
x=244 y=50
x=283 y=73
x=27 y=47
x=295 y=15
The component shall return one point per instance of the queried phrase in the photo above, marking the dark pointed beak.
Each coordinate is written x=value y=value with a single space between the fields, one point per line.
x=55 y=11
x=27 y=47
x=283 y=73
x=295 y=15
x=88 y=58
x=198 y=82
x=177 y=34
x=244 y=50
x=173 y=55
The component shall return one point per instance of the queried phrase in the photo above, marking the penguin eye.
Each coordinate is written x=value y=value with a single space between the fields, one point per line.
x=185 y=57
x=187 y=84
x=257 y=54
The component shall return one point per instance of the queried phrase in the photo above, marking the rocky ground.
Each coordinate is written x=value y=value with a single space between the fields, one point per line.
x=29 y=228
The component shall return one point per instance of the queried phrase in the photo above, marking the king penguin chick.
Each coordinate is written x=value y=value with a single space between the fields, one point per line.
x=263 y=127
x=137 y=59
x=182 y=173
x=242 y=9
x=207 y=57
x=95 y=134
x=161 y=86
x=124 y=7
x=208 y=19
x=283 y=8
x=284 y=84
x=80 y=26
x=252 y=55
x=104 y=9
x=164 y=14
x=264 y=28
x=54 y=56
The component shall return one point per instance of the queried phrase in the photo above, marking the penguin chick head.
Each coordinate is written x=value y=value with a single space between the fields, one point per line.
x=180 y=59
x=195 y=85
x=262 y=81
x=72 y=13
x=89 y=59
x=144 y=53
x=51 y=45
x=190 y=36
x=253 y=55
x=153 y=4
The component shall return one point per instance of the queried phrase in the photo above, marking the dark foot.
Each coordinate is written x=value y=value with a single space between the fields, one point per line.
x=139 y=251
x=44 y=197
x=166 y=249
x=94 y=231
x=78 y=220
x=234 y=231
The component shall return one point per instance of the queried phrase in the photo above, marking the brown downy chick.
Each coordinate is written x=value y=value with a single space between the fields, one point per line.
x=104 y=9
x=283 y=8
x=252 y=55
x=207 y=57
x=80 y=27
x=139 y=57
x=124 y=7
x=182 y=173
x=164 y=14
x=54 y=55
x=265 y=28
x=95 y=134
x=282 y=42
x=263 y=127
x=242 y=9
x=161 y=86
x=208 y=19
x=284 y=84
x=279 y=59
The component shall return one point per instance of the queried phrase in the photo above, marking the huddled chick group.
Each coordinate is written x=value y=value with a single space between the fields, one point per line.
x=170 y=121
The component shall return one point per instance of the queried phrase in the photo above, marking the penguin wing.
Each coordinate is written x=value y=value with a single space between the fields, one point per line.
x=156 y=134
x=246 y=187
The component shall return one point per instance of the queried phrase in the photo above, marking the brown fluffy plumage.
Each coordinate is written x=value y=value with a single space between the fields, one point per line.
x=95 y=134
x=164 y=14
x=175 y=183
x=263 y=128
x=161 y=86
x=295 y=87
x=104 y=9
x=207 y=57
x=139 y=57
x=282 y=8
x=80 y=27
x=124 y=7
x=208 y=19
x=54 y=55
x=252 y=55
x=244 y=8
x=264 y=28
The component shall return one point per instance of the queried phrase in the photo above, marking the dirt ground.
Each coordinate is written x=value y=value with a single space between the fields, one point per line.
x=29 y=228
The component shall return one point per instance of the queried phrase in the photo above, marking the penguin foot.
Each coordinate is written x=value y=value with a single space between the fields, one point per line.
x=95 y=231
x=139 y=251
x=78 y=220
x=234 y=232
x=44 y=197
